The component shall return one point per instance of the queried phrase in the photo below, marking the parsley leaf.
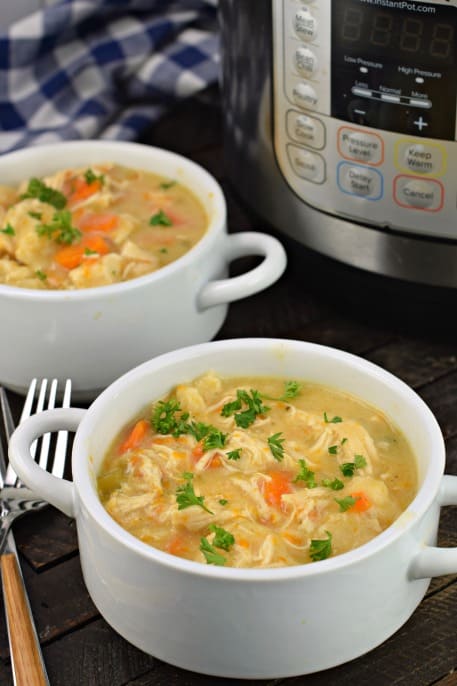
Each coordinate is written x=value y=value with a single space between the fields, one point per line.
x=333 y=449
x=335 y=420
x=160 y=219
x=320 y=549
x=214 y=439
x=35 y=215
x=38 y=189
x=348 y=468
x=211 y=555
x=222 y=539
x=305 y=474
x=90 y=177
x=291 y=390
x=335 y=484
x=346 y=503
x=165 y=185
x=223 y=501
x=41 y=275
x=234 y=454
x=60 y=229
x=276 y=447
x=8 y=230
x=253 y=402
x=186 y=497
x=163 y=417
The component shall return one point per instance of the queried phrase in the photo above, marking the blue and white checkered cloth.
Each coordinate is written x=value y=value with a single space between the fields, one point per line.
x=102 y=68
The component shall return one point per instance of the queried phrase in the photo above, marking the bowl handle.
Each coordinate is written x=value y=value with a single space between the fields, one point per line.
x=240 y=245
x=432 y=561
x=57 y=492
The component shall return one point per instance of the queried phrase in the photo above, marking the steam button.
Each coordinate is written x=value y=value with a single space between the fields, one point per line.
x=305 y=25
x=305 y=96
x=305 y=61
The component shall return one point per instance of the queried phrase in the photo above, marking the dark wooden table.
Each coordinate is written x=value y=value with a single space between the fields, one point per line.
x=81 y=649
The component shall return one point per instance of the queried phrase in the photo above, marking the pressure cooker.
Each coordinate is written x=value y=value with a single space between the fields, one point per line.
x=340 y=128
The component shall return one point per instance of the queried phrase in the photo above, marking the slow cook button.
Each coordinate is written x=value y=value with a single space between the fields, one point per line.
x=308 y=165
x=361 y=181
x=305 y=61
x=304 y=96
x=305 y=25
x=305 y=129
x=416 y=193
x=360 y=146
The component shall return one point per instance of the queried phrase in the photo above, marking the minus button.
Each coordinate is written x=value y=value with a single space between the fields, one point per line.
x=389 y=97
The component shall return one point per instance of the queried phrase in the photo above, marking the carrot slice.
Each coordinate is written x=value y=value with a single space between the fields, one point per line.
x=135 y=436
x=71 y=256
x=104 y=222
x=278 y=484
x=198 y=451
x=362 y=504
x=83 y=190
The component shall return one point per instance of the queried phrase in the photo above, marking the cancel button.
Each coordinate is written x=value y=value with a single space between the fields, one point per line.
x=418 y=193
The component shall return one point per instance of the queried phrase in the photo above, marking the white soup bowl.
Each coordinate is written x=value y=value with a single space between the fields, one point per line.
x=248 y=623
x=94 y=335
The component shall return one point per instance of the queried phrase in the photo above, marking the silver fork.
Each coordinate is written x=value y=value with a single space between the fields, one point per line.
x=26 y=657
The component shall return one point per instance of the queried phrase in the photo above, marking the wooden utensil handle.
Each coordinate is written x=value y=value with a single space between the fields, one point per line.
x=25 y=649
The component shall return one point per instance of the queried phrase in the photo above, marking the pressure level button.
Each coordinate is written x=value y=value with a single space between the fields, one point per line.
x=360 y=146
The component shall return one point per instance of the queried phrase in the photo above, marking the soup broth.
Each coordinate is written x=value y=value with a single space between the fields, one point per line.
x=94 y=226
x=257 y=472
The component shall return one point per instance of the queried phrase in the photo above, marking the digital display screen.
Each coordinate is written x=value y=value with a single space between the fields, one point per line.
x=394 y=65
x=426 y=38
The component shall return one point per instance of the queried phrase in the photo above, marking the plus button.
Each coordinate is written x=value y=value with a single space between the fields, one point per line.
x=421 y=123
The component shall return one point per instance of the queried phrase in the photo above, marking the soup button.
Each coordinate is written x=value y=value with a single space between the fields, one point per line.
x=418 y=193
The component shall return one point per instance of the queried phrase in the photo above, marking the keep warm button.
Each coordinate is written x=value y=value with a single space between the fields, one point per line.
x=417 y=193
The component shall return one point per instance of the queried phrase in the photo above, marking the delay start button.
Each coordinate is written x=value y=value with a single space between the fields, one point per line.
x=417 y=193
x=361 y=181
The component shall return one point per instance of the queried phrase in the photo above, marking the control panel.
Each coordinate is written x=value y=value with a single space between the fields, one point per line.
x=365 y=98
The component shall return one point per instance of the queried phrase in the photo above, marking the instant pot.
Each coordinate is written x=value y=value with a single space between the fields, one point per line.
x=340 y=128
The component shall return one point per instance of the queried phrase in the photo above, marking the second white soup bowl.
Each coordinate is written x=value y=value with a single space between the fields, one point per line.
x=94 y=335
x=249 y=623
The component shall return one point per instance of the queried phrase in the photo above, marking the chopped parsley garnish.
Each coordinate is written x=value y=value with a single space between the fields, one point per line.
x=8 y=230
x=234 y=454
x=160 y=219
x=348 y=468
x=38 y=189
x=253 y=402
x=60 y=229
x=335 y=420
x=90 y=177
x=211 y=555
x=41 y=275
x=165 y=185
x=223 y=501
x=291 y=390
x=163 y=418
x=305 y=474
x=163 y=250
x=185 y=495
x=35 y=215
x=335 y=484
x=222 y=539
x=214 y=439
x=343 y=441
x=346 y=503
x=275 y=443
x=333 y=449
x=320 y=549
x=88 y=251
